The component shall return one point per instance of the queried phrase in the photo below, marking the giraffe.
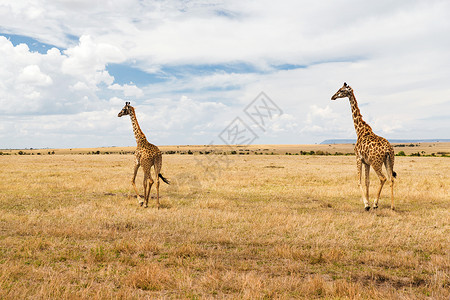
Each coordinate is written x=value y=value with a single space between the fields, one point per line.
x=370 y=150
x=147 y=155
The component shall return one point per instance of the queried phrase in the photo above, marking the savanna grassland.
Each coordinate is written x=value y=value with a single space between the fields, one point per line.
x=235 y=226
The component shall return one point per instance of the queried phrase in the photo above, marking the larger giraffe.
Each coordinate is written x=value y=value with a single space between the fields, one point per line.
x=370 y=149
x=147 y=155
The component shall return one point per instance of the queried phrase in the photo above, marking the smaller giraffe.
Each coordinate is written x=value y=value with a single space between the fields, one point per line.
x=370 y=149
x=147 y=155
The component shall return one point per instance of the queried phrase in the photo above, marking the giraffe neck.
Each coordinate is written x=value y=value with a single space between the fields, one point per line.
x=138 y=134
x=361 y=127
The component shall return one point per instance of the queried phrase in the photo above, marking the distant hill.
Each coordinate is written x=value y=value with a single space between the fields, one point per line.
x=398 y=141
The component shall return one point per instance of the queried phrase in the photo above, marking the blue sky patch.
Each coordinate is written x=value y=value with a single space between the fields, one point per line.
x=125 y=74
x=208 y=69
x=287 y=67
x=33 y=44
x=226 y=13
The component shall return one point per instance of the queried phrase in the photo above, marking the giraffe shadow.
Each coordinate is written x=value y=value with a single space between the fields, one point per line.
x=162 y=205
x=141 y=196
x=165 y=206
x=385 y=210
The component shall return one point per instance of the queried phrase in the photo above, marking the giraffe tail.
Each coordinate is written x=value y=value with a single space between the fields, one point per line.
x=390 y=163
x=163 y=178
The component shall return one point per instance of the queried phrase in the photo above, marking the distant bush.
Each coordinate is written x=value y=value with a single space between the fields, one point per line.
x=401 y=153
x=320 y=152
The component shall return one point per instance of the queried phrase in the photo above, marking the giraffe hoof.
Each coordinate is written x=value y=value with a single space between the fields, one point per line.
x=367 y=208
x=375 y=207
x=141 y=203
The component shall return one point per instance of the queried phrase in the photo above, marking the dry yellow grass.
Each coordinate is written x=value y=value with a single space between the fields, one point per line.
x=248 y=226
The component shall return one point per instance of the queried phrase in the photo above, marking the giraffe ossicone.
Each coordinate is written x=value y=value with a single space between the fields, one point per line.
x=370 y=150
x=147 y=155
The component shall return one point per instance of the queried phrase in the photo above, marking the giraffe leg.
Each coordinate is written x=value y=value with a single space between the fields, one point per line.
x=364 y=198
x=367 y=181
x=391 y=182
x=390 y=170
x=133 y=182
x=379 y=172
x=392 y=193
x=149 y=182
x=157 y=167
x=157 y=192
x=145 y=184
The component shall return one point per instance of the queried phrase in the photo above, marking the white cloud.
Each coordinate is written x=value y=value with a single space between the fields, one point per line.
x=181 y=114
x=322 y=114
x=55 y=82
x=79 y=86
x=88 y=60
x=165 y=120
x=33 y=95
x=116 y=102
x=32 y=75
x=128 y=90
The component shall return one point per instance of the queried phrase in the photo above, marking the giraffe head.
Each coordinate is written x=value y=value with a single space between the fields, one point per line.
x=125 y=110
x=344 y=92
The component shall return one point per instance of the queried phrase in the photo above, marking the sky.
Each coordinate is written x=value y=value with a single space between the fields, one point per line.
x=197 y=71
